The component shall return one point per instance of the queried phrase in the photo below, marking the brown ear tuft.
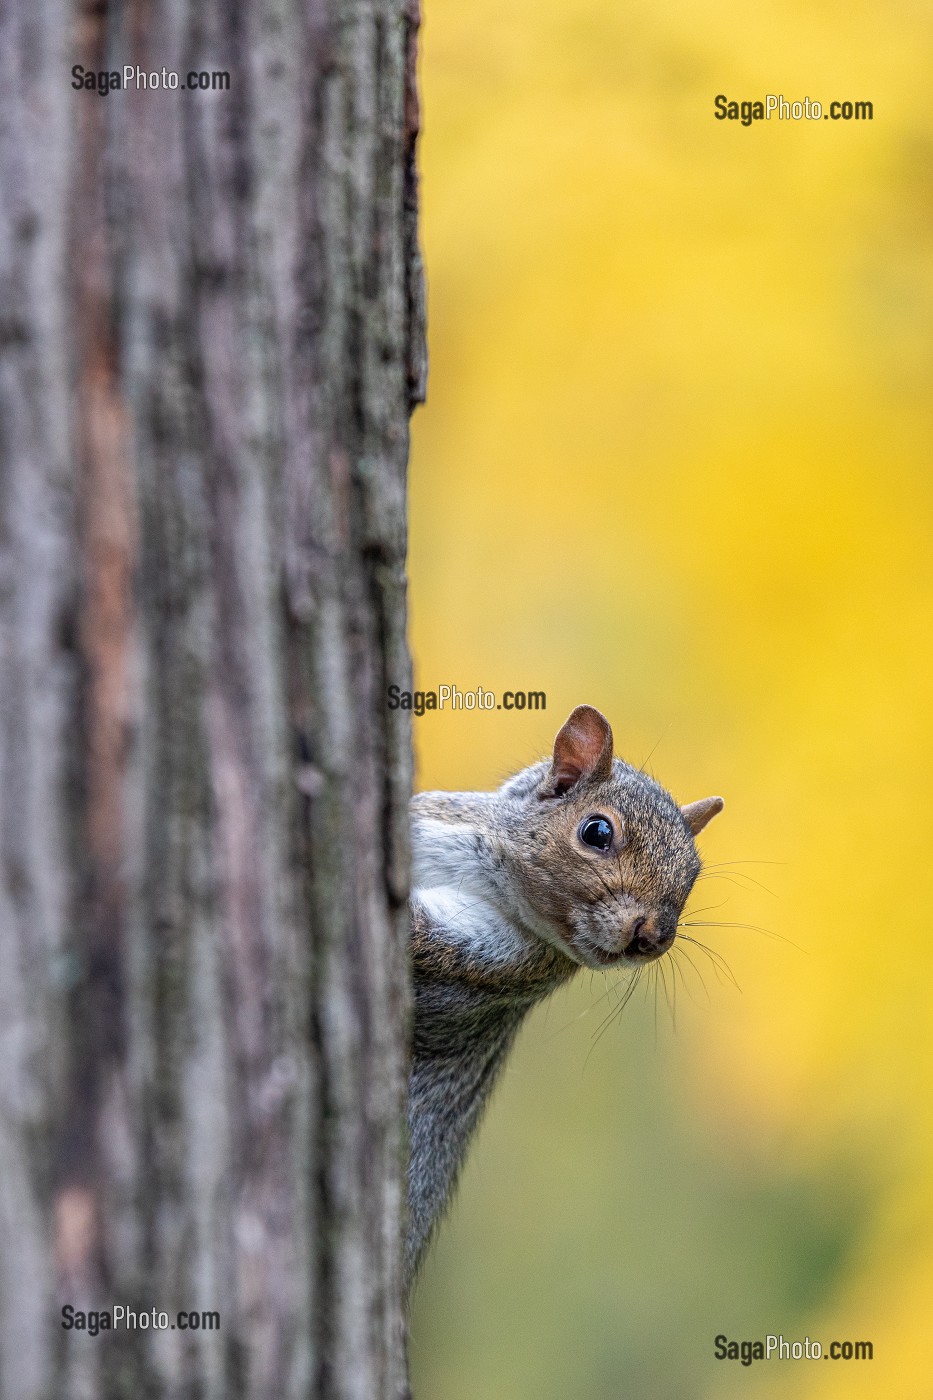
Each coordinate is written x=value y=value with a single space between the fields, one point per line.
x=698 y=814
x=582 y=749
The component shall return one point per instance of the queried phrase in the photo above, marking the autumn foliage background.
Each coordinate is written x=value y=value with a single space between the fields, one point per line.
x=676 y=463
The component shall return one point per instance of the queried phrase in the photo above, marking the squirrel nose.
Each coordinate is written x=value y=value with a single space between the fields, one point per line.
x=651 y=935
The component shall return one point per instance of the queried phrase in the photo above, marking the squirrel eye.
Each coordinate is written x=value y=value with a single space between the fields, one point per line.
x=596 y=832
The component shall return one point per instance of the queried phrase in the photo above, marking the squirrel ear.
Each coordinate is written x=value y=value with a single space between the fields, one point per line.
x=697 y=814
x=582 y=749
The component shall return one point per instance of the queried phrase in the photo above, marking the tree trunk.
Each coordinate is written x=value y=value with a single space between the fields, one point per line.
x=210 y=342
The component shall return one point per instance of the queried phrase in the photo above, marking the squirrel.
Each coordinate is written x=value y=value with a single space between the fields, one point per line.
x=580 y=861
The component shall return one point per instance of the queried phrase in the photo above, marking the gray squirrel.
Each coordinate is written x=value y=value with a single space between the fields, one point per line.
x=580 y=861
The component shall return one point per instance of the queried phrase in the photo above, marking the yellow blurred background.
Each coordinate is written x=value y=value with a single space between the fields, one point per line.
x=675 y=463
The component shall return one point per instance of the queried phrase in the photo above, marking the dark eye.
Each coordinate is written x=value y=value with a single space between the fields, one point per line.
x=596 y=832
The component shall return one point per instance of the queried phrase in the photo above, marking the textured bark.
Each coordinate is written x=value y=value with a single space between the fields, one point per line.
x=210 y=341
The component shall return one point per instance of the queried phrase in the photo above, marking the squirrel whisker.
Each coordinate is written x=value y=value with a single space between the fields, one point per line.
x=718 y=961
x=696 y=972
x=735 y=877
x=689 y=913
x=615 y=1014
x=752 y=928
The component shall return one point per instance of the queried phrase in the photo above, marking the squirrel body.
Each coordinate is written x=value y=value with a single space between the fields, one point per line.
x=582 y=861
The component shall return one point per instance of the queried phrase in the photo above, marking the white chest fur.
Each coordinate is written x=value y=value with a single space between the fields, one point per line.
x=455 y=887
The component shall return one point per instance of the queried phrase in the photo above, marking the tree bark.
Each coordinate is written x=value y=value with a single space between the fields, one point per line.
x=211 y=337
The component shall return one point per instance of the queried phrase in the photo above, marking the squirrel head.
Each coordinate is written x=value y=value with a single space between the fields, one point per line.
x=603 y=856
